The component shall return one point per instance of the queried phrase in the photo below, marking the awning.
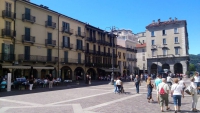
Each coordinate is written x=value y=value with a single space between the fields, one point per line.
x=110 y=70
x=17 y=67
x=43 y=67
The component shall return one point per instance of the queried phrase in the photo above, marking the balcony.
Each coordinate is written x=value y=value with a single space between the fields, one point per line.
x=81 y=48
x=50 y=42
x=131 y=59
x=28 y=18
x=69 y=46
x=98 y=52
x=37 y=58
x=102 y=53
x=72 y=61
x=90 y=39
x=8 y=14
x=108 y=54
x=110 y=44
x=7 y=57
x=166 y=56
x=68 y=31
x=8 y=33
x=28 y=39
x=80 y=34
x=50 y=24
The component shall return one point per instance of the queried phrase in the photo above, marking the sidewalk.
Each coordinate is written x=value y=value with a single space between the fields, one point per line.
x=198 y=104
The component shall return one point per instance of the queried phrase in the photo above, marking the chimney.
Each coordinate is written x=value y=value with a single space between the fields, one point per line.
x=153 y=21
x=170 y=19
x=175 y=19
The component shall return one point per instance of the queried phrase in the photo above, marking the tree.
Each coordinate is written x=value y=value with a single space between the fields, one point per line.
x=192 y=67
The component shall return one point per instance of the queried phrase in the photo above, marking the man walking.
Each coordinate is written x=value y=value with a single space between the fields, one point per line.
x=137 y=83
x=197 y=81
x=157 y=82
x=163 y=92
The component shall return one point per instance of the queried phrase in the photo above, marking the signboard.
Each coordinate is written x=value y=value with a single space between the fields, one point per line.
x=9 y=82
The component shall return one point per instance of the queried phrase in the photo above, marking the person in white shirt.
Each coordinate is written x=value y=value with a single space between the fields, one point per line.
x=169 y=80
x=118 y=84
x=176 y=92
x=194 y=95
x=182 y=83
x=197 y=81
x=131 y=77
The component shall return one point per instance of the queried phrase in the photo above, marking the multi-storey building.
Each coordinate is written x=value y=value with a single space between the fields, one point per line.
x=167 y=46
x=98 y=51
x=121 y=59
x=128 y=40
x=141 y=53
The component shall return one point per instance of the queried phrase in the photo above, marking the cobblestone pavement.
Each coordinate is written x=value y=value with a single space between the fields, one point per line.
x=89 y=99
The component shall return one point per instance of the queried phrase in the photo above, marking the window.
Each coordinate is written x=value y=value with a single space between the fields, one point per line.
x=152 y=42
x=176 y=50
x=94 y=48
x=49 y=36
x=164 y=51
x=7 y=51
x=143 y=41
x=124 y=55
x=8 y=28
x=79 y=58
x=119 y=54
x=175 y=30
x=49 y=53
x=163 y=32
x=79 y=30
x=27 y=14
x=66 y=41
x=8 y=9
x=79 y=44
x=164 y=41
x=143 y=51
x=153 y=53
x=65 y=56
x=143 y=57
x=27 y=52
x=66 y=26
x=176 y=40
x=49 y=20
x=152 y=33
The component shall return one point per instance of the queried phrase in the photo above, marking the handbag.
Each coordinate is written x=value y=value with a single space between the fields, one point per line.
x=189 y=90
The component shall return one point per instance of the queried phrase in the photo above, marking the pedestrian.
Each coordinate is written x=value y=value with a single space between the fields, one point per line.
x=87 y=79
x=150 y=88
x=50 y=79
x=197 y=81
x=131 y=77
x=137 y=82
x=115 y=86
x=169 y=80
x=158 y=80
x=118 y=84
x=194 y=95
x=176 y=93
x=182 y=83
x=163 y=92
x=141 y=77
x=31 y=81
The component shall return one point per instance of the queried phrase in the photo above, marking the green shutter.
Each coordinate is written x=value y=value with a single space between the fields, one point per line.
x=68 y=42
x=63 y=41
x=77 y=42
x=81 y=44
x=11 y=52
x=66 y=56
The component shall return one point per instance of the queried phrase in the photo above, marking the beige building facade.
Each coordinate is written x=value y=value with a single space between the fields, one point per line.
x=121 y=59
x=167 y=46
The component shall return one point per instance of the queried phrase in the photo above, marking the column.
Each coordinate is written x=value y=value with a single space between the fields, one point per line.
x=73 y=75
x=171 y=68
x=39 y=73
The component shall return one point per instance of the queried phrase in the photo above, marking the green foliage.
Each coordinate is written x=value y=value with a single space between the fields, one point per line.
x=195 y=60
x=192 y=67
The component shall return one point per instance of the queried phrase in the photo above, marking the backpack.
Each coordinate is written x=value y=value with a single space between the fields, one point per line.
x=162 y=91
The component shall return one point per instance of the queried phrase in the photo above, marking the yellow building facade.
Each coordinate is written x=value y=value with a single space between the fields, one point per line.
x=121 y=59
x=40 y=41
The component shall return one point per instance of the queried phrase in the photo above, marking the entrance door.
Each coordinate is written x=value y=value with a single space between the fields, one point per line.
x=49 y=38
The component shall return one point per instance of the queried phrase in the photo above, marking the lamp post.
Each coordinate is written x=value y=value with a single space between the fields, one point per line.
x=112 y=75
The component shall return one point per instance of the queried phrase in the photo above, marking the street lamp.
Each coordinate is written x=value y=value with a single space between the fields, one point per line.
x=112 y=75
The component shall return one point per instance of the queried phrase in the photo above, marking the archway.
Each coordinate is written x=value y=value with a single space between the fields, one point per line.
x=66 y=73
x=154 y=69
x=92 y=73
x=43 y=74
x=165 y=66
x=178 y=68
x=79 y=72
x=35 y=73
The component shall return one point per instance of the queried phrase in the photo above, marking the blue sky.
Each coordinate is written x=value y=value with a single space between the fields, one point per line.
x=132 y=14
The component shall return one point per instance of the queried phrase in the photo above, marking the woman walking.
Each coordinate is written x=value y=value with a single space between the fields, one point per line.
x=176 y=93
x=194 y=94
x=149 y=87
x=115 y=86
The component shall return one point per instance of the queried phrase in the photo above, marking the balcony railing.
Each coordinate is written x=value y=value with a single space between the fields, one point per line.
x=8 y=33
x=8 y=14
x=68 y=31
x=70 y=46
x=37 y=58
x=50 y=42
x=110 y=44
x=81 y=34
x=28 y=39
x=131 y=59
x=166 y=56
x=90 y=39
x=50 y=24
x=72 y=61
x=7 y=57
x=28 y=18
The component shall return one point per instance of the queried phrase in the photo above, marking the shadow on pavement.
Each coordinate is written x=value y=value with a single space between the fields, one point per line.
x=60 y=87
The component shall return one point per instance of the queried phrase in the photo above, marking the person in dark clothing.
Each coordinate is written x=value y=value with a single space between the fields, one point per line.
x=31 y=81
x=137 y=83
x=87 y=79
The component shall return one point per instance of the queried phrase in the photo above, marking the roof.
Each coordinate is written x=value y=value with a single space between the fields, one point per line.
x=140 y=45
x=157 y=24
x=46 y=8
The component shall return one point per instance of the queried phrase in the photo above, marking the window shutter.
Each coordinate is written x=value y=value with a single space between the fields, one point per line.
x=68 y=27
x=68 y=41
x=66 y=56
x=3 y=46
x=81 y=45
x=63 y=41
x=77 y=42
x=12 y=51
